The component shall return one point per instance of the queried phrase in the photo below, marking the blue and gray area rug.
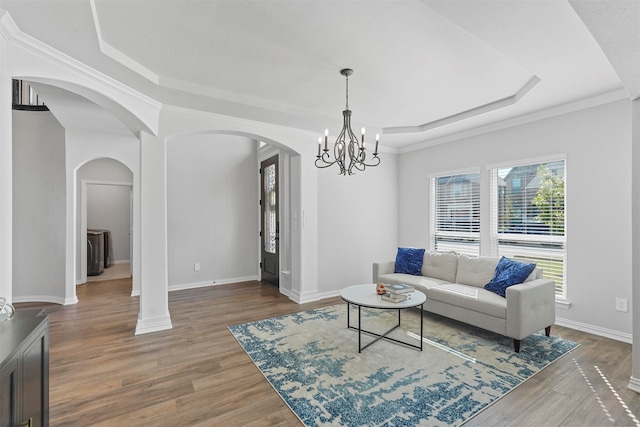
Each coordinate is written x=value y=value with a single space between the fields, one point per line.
x=311 y=359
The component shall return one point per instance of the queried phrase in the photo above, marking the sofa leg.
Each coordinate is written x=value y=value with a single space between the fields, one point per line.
x=547 y=331
x=516 y=345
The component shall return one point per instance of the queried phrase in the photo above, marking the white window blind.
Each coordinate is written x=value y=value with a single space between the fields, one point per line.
x=455 y=203
x=528 y=214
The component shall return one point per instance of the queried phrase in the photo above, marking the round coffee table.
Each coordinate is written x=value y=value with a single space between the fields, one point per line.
x=366 y=296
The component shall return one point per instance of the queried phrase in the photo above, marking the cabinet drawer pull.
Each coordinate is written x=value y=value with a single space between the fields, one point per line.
x=27 y=424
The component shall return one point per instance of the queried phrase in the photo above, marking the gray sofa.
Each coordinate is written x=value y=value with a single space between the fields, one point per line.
x=454 y=286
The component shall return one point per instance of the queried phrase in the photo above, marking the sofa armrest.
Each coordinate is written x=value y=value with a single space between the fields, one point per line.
x=531 y=307
x=385 y=267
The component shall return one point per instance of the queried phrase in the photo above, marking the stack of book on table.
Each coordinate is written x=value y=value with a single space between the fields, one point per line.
x=397 y=292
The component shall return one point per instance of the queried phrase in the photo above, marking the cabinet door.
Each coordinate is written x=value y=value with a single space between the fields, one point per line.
x=9 y=394
x=35 y=386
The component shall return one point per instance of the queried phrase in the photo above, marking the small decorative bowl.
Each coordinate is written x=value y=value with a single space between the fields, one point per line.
x=6 y=309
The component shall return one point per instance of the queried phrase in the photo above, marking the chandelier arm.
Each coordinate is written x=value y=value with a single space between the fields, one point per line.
x=351 y=169
x=352 y=164
x=323 y=161
x=339 y=152
x=372 y=164
x=323 y=166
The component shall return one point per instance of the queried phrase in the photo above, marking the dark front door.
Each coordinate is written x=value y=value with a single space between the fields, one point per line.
x=270 y=221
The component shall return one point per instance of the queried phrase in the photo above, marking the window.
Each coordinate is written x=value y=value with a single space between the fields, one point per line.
x=455 y=204
x=528 y=219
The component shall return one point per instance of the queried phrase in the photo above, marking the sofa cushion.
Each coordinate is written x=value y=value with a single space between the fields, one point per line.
x=475 y=271
x=409 y=261
x=537 y=273
x=469 y=297
x=419 y=282
x=440 y=265
x=508 y=273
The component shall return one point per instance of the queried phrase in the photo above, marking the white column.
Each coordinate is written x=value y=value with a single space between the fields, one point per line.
x=135 y=250
x=634 y=384
x=70 y=296
x=6 y=182
x=304 y=241
x=154 y=299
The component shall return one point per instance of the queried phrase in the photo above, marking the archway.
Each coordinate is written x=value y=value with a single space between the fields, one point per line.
x=229 y=159
x=104 y=201
x=93 y=126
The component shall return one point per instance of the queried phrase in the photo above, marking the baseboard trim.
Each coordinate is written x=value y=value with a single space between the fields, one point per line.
x=311 y=296
x=183 y=286
x=595 y=330
x=155 y=324
x=41 y=298
x=634 y=384
x=71 y=301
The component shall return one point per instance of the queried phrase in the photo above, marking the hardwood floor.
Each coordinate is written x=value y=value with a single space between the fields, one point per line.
x=196 y=374
x=122 y=270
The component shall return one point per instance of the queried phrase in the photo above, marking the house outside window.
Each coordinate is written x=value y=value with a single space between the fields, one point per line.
x=455 y=213
x=528 y=216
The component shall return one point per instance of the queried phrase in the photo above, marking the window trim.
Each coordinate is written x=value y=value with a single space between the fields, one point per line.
x=529 y=161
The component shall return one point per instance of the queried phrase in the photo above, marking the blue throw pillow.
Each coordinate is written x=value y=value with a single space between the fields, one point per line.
x=409 y=261
x=508 y=273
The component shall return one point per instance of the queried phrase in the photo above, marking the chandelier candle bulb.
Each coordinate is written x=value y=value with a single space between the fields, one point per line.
x=375 y=153
x=326 y=134
x=319 y=145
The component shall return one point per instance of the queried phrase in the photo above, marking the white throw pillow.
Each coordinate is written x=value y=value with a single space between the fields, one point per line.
x=440 y=265
x=476 y=271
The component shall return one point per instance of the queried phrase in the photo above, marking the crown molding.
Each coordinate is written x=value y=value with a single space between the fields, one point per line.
x=117 y=55
x=559 y=110
x=10 y=32
x=8 y=27
x=481 y=109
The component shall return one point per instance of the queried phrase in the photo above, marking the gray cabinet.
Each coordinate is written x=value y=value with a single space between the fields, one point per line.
x=24 y=370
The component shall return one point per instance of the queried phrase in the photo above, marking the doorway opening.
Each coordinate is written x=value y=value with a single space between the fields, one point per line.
x=104 y=206
x=270 y=222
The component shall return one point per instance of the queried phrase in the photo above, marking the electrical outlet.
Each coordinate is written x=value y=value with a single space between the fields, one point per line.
x=621 y=304
x=196 y=266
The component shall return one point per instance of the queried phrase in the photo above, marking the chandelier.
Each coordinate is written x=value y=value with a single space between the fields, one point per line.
x=347 y=142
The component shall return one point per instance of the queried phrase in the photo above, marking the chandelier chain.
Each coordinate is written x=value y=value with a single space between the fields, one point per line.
x=347 y=107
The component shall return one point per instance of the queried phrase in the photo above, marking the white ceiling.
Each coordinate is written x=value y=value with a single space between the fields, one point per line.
x=423 y=69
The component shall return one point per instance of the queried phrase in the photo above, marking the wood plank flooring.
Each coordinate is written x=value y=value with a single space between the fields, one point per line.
x=196 y=374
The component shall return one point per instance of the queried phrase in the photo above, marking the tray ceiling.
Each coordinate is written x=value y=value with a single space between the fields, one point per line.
x=423 y=69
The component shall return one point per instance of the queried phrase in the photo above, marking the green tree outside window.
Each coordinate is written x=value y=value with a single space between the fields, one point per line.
x=550 y=200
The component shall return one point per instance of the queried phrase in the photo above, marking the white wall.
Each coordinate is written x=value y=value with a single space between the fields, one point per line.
x=597 y=143
x=301 y=147
x=39 y=198
x=357 y=223
x=6 y=166
x=212 y=195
